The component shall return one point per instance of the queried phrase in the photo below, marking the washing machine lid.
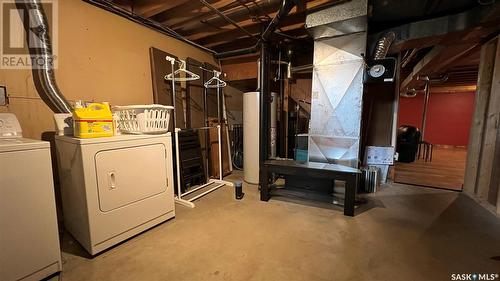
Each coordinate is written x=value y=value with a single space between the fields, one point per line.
x=19 y=144
x=9 y=126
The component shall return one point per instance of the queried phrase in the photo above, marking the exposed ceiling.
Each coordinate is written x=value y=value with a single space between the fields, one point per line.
x=223 y=25
x=390 y=13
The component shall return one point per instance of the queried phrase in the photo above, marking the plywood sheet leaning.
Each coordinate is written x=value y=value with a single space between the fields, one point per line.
x=214 y=150
x=195 y=92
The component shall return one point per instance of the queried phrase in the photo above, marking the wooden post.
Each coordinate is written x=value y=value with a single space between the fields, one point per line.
x=496 y=176
x=489 y=142
x=477 y=131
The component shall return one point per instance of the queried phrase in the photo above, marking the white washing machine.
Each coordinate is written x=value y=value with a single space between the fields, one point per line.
x=116 y=187
x=29 y=239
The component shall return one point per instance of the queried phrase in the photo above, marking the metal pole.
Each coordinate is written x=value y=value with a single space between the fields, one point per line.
x=424 y=113
x=263 y=109
x=207 y=133
x=220 y=150
x=218 y=106
x=178 y=162
x=173 y=95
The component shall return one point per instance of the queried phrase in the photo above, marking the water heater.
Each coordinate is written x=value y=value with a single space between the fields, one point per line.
x=251 y=134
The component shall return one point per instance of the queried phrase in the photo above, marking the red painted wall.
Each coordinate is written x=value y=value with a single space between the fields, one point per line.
x=449 y=116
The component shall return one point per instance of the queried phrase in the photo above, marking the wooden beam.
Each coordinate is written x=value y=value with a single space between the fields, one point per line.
x=240 y=59
x=256 y=28
x=149 y=8
x=490 y=158
x=241 y=15
x=475 y=147
x=203 y=13
x=435 y=63
x=233 y=45
x=236 y=13
x=191 y=11
x=248 y=42
x=470 y=26
x=240 y=71
x=217 y=38
x=125 y=4
x=453 y=89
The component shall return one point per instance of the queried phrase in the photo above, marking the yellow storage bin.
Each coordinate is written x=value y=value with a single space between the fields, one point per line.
x=93 y=121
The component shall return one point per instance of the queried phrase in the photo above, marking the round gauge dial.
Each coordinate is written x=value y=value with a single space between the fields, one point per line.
x=377 y=70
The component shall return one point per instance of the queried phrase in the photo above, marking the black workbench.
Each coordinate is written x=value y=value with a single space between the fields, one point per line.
x=315 y=170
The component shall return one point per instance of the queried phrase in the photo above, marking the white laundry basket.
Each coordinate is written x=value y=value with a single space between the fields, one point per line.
x=143 y=119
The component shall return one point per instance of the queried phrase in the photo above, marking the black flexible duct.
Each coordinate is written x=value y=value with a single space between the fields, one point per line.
x=43 y=76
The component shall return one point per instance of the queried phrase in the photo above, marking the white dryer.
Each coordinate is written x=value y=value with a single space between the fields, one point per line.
x=116 y=187
x=29 y=239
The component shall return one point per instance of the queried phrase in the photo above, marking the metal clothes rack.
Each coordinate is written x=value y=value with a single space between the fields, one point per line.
x=217 y=183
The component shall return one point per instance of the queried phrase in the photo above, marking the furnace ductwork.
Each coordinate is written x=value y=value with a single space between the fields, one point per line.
x=383 y=45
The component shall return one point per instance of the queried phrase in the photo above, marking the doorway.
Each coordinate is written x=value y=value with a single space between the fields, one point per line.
x=433 y=138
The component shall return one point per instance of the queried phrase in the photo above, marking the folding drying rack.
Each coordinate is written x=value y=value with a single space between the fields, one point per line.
x=216 y=83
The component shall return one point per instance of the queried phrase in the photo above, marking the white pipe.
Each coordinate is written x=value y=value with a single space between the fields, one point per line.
x=178 y=166
x=218 y=105
x=424 y=113
x=220 y=183
x=206 y=192
x=172 y=62
x=197 y=188
x=220 y=150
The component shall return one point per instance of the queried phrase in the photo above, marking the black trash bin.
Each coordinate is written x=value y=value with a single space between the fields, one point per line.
x=407 y=143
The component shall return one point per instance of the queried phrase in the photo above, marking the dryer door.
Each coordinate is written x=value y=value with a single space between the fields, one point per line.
x=128 y=175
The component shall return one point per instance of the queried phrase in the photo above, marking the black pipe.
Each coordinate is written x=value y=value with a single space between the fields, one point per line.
x=264 y=108
x=228 y=19
x=286 y=7
x=264 y=99
x=239 y=52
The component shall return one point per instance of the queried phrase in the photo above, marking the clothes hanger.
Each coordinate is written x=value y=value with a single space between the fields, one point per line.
x=190 y=76
x=218 y=82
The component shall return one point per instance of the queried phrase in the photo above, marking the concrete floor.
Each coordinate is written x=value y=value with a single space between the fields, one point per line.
x=411 y=233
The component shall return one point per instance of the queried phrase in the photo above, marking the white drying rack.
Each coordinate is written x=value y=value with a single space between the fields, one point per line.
x=217 y=183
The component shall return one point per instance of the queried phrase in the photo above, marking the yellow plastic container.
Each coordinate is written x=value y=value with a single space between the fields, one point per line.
x=93 y=121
